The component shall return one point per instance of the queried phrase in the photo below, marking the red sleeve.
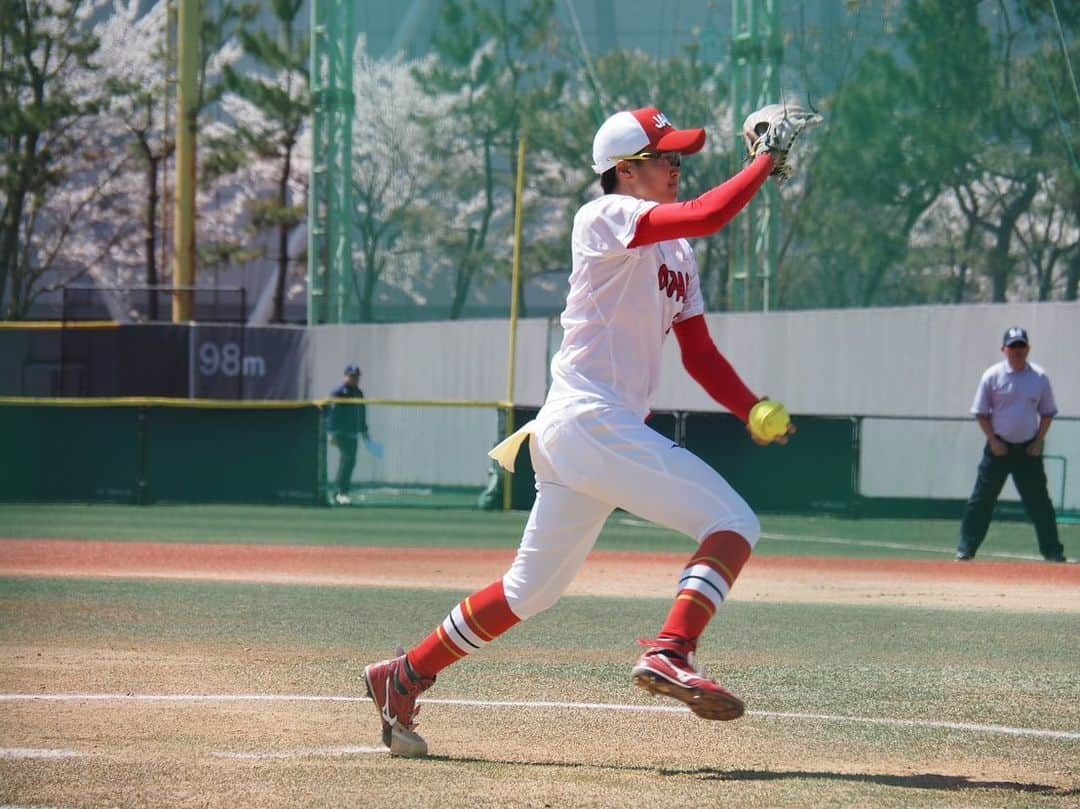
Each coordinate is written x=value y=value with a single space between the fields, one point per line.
x=706 y=214
x=704 y=362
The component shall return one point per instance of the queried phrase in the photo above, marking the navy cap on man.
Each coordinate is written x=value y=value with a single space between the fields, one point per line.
x=1014 y=335
x=352 y=369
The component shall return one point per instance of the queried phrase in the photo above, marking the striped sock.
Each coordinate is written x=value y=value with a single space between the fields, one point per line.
x=469 y=627
x=705 y=583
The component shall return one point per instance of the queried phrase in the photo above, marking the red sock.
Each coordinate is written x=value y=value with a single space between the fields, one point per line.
x=705 y=583
x=470 y=626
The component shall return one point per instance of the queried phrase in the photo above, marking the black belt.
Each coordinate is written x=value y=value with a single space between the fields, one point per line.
x=1014 y=443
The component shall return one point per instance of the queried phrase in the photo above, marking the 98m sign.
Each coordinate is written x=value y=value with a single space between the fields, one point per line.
x=229 y=360
x=237 y=362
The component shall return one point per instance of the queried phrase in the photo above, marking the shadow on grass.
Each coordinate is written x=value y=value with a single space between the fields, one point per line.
x=950 y=783
x=913 y=781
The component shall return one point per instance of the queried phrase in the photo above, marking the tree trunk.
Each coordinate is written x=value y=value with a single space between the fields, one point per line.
x=371 y=277
x=959 y=283
x=477 y=239
x=10 y=276
x=999 y=262
x=9 y=235
x=964 y=266
x=463 y=277
x=1072 y=277
x=283 y=240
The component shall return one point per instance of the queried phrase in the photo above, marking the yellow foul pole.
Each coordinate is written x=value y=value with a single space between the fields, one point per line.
x=515 y=284
x=187 y=52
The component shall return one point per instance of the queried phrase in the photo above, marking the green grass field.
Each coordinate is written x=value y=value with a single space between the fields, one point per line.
x=190 y=693
x=784 y=535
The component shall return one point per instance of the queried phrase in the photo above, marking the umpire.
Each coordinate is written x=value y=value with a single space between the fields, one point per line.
x=1014 y=406
x=347 y=424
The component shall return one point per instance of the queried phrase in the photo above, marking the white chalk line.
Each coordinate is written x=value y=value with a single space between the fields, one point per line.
x=899 y=546
x=969 y=727
x=303 y=752
x=859 y=543
x=37 y=752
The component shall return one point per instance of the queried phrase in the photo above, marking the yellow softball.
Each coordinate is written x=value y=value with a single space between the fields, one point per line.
x=769 y=420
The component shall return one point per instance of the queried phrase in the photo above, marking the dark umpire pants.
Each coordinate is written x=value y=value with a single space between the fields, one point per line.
x=1030 y=478
x=346 y=445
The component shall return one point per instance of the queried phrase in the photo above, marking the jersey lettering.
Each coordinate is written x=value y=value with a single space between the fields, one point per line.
x=674 y=283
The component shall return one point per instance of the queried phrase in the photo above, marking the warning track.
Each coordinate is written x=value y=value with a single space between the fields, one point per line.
x=1007 y=585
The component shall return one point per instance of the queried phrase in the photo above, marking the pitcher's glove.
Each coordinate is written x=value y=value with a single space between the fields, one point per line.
x=773 y=129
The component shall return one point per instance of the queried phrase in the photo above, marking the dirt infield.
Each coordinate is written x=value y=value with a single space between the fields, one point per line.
x=1016 y=586
x=125 y=717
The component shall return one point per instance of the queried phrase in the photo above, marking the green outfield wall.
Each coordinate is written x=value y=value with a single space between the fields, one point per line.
x=434 y=455
x=146 y=452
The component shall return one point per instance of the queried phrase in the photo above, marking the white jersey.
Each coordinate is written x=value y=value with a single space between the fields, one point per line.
x=1014 y=400
x=621 y=305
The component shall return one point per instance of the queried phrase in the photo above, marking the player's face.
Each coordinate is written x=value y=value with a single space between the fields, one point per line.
x=657 y=178
x=1016 y=355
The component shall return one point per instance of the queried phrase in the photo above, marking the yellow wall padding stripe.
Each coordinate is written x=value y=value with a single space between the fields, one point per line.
x=56 y=325
x=163 y=401
x=415 y=402
x=149 y=401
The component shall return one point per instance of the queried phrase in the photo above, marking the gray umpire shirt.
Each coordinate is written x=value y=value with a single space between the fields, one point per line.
x=1014 y=400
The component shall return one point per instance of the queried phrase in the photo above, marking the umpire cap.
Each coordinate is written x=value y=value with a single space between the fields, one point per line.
x=352 y=369
x=1014 y=335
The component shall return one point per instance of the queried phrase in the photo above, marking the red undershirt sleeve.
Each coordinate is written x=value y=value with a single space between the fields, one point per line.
x=704 y=362
x=706 y=214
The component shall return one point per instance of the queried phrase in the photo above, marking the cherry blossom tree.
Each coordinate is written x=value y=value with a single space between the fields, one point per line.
x=48 y=96
x=133 y=65
x=394 y=186
x=270 y=107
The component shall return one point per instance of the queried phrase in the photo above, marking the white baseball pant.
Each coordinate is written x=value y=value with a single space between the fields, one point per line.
x=589 y=461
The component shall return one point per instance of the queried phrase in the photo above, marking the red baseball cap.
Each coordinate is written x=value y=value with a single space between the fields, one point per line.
x=629 y=132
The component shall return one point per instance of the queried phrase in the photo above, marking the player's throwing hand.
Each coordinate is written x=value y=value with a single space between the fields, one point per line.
x=769 y=423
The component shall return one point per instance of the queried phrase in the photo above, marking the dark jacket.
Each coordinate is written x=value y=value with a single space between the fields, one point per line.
x=347 y=418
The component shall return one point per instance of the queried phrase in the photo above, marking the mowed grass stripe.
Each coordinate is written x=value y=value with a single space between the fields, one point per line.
x=982 y=666
x=367 y=527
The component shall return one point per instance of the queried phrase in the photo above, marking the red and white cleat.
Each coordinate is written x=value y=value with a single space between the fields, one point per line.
x=393 y=686
x=667 y=667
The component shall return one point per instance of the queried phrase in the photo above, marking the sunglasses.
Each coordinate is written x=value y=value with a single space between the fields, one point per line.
x=674 y=159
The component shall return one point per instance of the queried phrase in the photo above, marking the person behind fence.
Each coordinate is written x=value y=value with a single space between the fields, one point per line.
x=1014 y=406
x=347 y=424
x=634 y=281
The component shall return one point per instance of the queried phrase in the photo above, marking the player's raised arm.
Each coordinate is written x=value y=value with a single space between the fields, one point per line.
x=708 y=213
x=769 y=134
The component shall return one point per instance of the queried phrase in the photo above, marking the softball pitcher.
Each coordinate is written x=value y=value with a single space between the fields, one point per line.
x=634 y=279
